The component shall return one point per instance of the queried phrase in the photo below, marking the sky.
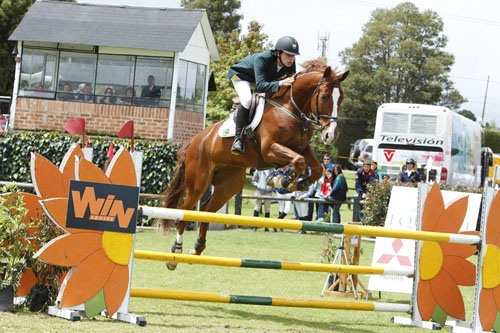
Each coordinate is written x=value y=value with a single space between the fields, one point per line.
x=472 y=28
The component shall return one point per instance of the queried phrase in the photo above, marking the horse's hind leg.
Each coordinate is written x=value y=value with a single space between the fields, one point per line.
x=227 y=182
x=196 y=186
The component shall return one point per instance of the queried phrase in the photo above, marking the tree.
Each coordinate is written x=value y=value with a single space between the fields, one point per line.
x=222 y=14
x=399 y=58
x=11 y=14
x=232 y=49
x=468 y=114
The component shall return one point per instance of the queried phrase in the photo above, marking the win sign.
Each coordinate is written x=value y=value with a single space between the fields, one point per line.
x=105 y=207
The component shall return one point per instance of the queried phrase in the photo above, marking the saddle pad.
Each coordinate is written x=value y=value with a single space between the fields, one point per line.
x=228 y=127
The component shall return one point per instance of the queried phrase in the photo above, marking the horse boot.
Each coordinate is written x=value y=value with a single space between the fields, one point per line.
x=255 y=214
x=288 y=178
x=176 y=248
x=241 y=119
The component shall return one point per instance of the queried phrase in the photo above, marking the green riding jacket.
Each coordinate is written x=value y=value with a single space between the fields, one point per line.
x=261 y=69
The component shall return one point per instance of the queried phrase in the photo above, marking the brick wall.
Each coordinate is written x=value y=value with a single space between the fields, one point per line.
x=32 y=113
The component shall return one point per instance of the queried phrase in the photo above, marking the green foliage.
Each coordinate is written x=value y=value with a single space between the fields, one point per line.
x=468 y=114
x=159 y=162
x=222 y=14
x=11 y=14
x=400 y=58
x=232 y=49
x=377 y=202
x=492 y=139
x=47 y=276
x=15 y=244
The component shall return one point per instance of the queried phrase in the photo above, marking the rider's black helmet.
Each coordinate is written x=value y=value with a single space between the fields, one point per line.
x=410 y=161
x=288 y=45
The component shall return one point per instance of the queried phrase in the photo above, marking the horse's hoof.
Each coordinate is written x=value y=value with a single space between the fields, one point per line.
x=171 y=265
x=191 y=252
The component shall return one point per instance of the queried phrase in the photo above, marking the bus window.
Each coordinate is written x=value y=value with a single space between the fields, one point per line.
x=395 y=123
x=423 y=124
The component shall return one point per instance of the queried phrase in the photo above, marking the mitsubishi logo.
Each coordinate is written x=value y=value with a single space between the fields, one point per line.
x=396 y=246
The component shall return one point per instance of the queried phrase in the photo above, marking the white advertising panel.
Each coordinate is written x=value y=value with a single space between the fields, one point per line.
x=400 y=253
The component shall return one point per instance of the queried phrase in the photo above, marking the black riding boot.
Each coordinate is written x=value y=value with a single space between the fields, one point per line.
x=256 y=214
x=241 y=119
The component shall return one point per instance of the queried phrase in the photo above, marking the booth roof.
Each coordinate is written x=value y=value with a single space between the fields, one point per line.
x=163 y=29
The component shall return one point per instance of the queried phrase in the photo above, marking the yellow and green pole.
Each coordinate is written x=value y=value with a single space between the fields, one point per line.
x=269 y=301
x=191 y=215
x=268 y=264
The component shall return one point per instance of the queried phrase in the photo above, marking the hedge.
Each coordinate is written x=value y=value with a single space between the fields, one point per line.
x=160 y=157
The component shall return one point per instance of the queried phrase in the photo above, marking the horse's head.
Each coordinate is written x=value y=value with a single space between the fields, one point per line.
x=327 y=98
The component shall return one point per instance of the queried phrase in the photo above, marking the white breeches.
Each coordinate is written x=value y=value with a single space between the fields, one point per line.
x=244 y=92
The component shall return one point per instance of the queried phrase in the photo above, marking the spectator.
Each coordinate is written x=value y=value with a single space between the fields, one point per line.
x=284 y=205
x=86 y=95
x=259 y=180
x=39 y=86
x=386 y=178
x=317 y=194
x=130 y=94
x=108 y=97
x=302 y=208
x=327 y=163
x=151 y=91
x=66 y=93
x=375 y=171
x=325 y=191
x=364 y=176
x=339 y=192
x=411 y=175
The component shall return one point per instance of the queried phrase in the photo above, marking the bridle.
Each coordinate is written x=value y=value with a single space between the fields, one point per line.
x=314 y=119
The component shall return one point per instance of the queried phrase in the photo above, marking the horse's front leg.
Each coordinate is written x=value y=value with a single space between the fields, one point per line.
x=316 y=169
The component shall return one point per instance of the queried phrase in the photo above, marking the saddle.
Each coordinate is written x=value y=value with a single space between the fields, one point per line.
x=257 y=104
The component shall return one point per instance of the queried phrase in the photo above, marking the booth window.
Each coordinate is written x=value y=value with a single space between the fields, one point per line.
x=191 y=86
x=38 y=73
x=153 y=81
x=78 y=71
x=115 y=79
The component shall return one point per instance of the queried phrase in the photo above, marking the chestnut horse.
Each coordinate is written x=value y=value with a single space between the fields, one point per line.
x=284 y=135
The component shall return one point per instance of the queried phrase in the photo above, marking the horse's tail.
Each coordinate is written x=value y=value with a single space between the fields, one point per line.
x=176 y=189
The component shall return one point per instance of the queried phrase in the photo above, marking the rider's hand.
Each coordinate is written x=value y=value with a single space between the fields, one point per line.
x=287 y=82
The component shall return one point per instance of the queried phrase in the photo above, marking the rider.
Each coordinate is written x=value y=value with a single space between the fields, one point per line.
x=260 y=69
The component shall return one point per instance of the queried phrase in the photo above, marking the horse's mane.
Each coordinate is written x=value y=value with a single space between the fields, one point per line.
x=315 y=65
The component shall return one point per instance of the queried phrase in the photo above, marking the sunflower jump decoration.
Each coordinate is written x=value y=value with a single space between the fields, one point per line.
x=98 y=212
x=440 y=268
x=487 y=296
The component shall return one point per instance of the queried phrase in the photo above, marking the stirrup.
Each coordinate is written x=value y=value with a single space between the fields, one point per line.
x=238 y=149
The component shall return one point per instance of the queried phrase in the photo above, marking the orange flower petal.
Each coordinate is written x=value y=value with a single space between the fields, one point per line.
x=70 y=249
x=33 y=206
x=458 y=250
x=453 y=216
x=121 y=170
x=461 y=270
x=27 y=281
x=87 y=279
x=57 y=209
x=425 y=299
x=493 y=225
x=116 y=288
x=433 y=208
x=487 y=309
x=447 y=295
x=47 y=179
x=89 y=172
x=68 y=165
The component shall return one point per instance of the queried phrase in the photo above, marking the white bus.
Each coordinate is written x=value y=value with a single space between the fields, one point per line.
x=445 y=145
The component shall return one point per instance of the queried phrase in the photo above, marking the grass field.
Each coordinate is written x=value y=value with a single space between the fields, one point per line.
x=179 y=316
